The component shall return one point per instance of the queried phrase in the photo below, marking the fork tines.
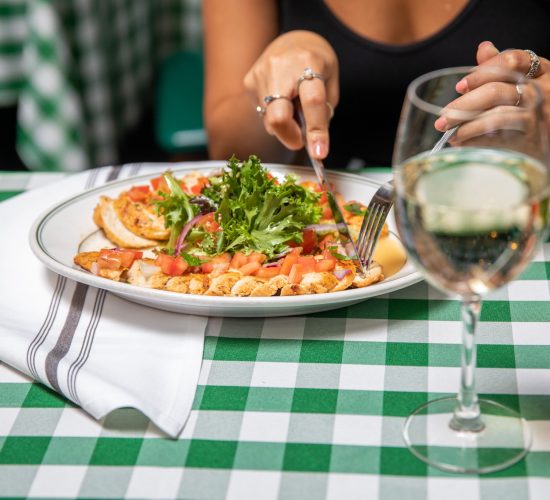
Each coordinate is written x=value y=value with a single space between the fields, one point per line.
x=373 y=222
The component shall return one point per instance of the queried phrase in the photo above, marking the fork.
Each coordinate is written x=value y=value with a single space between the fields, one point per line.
x=373 y=222
x=379 y=208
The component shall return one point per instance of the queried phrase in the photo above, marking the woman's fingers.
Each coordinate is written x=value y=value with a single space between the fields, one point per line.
x=491 y=98
x=313 y=100
x=501 y=118
x=469 y=105
x=510 y=60
x=485 y=51
x=279 y=121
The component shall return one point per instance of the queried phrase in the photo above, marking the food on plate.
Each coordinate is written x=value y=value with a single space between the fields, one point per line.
x=238 y=231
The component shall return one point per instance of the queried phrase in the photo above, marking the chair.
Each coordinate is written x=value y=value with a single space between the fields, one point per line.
x=179 y=128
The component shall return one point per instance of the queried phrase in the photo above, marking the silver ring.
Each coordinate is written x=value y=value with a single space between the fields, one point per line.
x=519 y=90
x=268 y=99
x=309 y=74
x=535 y=64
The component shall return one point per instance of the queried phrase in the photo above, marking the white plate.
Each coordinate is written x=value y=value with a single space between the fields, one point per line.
x=56 y=235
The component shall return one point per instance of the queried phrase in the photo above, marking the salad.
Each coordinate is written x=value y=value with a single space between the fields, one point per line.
x=239 y=231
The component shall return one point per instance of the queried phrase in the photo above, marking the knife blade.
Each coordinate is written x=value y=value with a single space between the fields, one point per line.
x=345 y=236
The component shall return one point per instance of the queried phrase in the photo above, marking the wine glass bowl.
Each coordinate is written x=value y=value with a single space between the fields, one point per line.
x=470 y=216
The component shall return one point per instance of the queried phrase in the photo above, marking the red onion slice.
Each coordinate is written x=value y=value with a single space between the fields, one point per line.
x=184 y=232
x=341 y=273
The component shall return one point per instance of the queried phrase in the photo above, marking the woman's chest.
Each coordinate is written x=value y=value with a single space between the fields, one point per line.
x=396 y=22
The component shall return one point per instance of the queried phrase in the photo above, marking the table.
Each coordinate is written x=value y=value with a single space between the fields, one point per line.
x=82 y=72
x=299 y=407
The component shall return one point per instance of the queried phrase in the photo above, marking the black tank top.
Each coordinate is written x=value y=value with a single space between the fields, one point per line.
x=374 y=76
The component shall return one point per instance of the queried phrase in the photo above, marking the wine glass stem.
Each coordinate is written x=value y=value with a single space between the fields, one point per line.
x=467 y=416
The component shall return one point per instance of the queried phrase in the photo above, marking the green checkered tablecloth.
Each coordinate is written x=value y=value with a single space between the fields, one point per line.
x=300 y=407
x=82 y=72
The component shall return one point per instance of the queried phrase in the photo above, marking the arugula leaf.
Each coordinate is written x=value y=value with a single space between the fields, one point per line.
x=355 y=208
x=192 y=260
x=176 y=209
x=257 y=213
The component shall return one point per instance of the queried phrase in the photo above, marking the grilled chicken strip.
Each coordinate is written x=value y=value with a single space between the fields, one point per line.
x=140 y=219
x=106 y=217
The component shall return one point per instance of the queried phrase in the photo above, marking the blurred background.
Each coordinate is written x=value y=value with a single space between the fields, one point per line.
x=86 y=83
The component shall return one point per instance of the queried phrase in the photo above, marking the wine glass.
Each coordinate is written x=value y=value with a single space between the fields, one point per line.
x=470 y=216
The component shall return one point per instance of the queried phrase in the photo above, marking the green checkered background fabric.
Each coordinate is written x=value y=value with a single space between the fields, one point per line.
x=83 y=70
x=298 y=407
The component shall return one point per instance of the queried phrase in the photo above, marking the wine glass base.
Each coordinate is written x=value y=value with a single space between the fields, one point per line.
x=505 y=437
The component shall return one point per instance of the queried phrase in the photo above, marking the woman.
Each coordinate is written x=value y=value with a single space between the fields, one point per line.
x=355 y=57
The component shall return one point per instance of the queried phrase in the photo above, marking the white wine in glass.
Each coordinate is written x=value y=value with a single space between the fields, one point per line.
x=471 y=215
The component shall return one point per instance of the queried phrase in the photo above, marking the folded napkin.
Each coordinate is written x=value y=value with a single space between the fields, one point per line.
x=98 y=350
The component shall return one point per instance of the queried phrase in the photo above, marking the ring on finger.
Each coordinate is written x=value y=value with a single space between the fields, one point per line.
x=309 y=74
x=534 y=66
x=268 y=99
x=519 y=90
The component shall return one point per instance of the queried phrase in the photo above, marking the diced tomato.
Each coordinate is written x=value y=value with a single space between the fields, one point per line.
x=324 y=198
x=310 y=240
x=194 y=185
x=208 y=221
x=268 y=272
x=223 y=257
x=139 y=193
x=307 y=262
x=219 y=264
x=239 y=259
x=327 y=212
x=207 y=267
x=109 y=260
x=288 y=262
x=173 y=266
x=196 y=189
x=115 y=258
x=296 y=273
x=323 y=265
x=159 y=184
x=128 y=256
x=256 y=257
x=250 y=268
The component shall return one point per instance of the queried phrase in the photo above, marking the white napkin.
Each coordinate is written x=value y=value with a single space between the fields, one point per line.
x=98 y=350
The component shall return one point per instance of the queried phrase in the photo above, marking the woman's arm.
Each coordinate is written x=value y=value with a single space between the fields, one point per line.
x=236 y=33
x=245 y=62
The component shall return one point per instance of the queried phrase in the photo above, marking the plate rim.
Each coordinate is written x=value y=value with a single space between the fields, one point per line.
x=341 y=298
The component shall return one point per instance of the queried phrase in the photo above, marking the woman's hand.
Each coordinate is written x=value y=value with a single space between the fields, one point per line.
x=277 y=72
x=490 y=92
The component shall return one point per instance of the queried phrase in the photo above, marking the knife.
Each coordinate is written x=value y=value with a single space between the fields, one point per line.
x=345 y=236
